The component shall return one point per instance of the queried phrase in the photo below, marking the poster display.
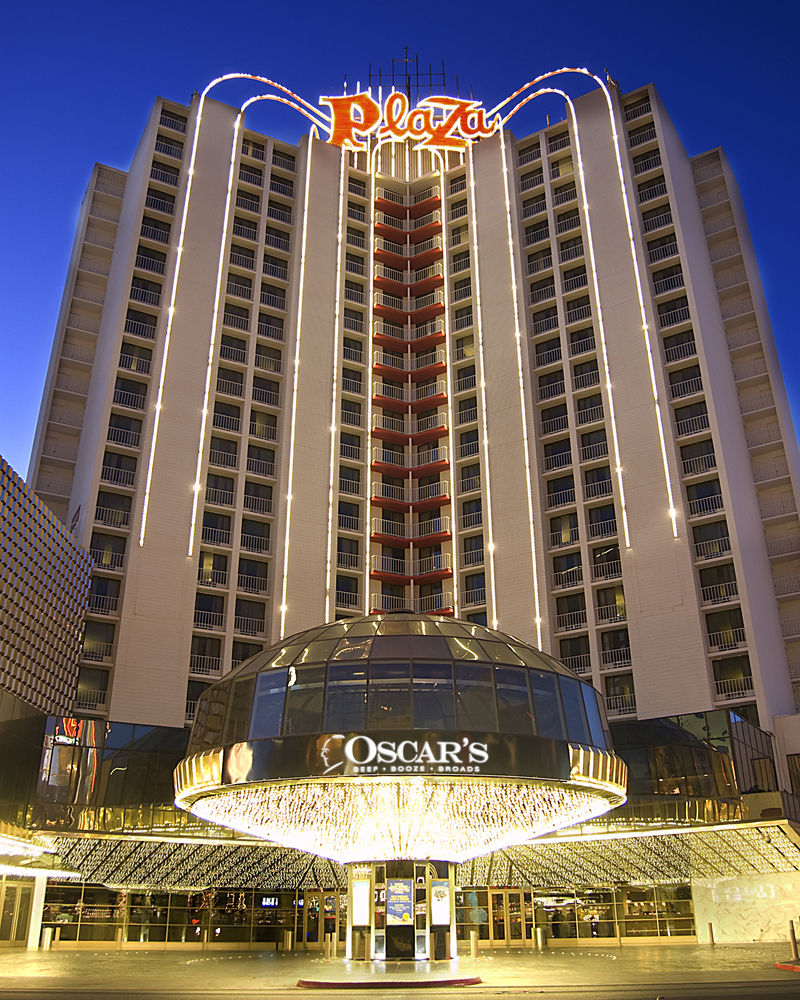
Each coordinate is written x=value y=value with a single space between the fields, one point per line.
x=399 y=902
x=440 y=901
x=361 y=894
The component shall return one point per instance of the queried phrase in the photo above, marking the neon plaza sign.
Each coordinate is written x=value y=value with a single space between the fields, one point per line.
x=449 y=123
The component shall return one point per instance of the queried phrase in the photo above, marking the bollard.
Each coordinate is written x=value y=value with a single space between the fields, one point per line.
x=47 y=938
x=118 y=939
x=367 y=946
x=473 y=944
x=327 y=946
x=711 y=940
x=540 y=938
x=793 y=939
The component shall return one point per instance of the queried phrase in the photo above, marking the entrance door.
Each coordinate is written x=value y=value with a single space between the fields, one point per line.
x=312 y=918
x=323 y=913
x=507 y=918
x=14 y=913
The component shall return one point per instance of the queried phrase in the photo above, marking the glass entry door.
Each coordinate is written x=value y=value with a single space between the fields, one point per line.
x=506 y=918
x=14 y=912
x=322 y=915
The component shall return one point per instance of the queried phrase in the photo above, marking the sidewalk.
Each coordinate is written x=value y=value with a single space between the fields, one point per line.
x=230 y=973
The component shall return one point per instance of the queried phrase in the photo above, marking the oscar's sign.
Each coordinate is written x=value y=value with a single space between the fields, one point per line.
x=435 y=123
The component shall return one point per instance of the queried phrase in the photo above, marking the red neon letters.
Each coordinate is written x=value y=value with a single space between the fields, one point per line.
x=457 y=123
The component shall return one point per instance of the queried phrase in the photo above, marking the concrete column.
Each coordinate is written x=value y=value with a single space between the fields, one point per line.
x=37 y=909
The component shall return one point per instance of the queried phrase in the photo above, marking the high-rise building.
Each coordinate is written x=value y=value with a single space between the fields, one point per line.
x=531 y=382
x=44 y=584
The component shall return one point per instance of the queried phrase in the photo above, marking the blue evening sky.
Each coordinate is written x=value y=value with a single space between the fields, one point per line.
x=81 y=78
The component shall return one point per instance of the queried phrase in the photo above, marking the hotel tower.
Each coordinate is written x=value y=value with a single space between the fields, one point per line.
x=530 y=382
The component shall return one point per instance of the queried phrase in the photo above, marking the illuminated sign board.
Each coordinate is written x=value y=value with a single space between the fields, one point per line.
x=399 y=902
x=435 y=123
x=335 y=755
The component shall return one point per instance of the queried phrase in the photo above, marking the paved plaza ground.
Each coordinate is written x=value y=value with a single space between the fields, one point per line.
x=688 y=972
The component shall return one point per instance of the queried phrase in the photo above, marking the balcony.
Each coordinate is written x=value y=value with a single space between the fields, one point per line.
x=778 y=506
x=543 y=358
x=212 y=577
x=562 y=498
x=578 y=314
x=601 y=488
x=669 y=284
x=472 y=557
x=720 y=593
x=146 y=295
x=388 y=566
x=474 y=598
x=605 y=613
x=346 y=599
x=567 y=578
x=92 y=701
x=703 y=506
x=474 y=519
x=729 y=638
x=560 y=539
x=612 y=659
x=559 y=460
x=611 y=570
x=663 y=252
x=589 y=415
x=346 y=560
x=580 y=664
x=216 y=536
x=97 y=651
x=571 y=620
x=119 y=477
x=692 y=425
x=582 y=346
x=226 y=459
x=713 y=548
x=700 y=464
x=650 y=163
x=620 y=704
x=603 y=529
x=126 y=438
x=260 y=467
x=591 y=452
x=434 y=603
x=103 y=604
x=585 y=380
x=349 y=522
x=225 y=422
x=637 y=111
x=206 y=666
x=257 y=505
x=657 y=221
x=255 y=543
x=550 y=390
x=680 y=351
x=540 y=264
x=251 y=584
x=733 y=688
x=249 y=626
x=688 y=387
x=111 y=516
x=106 y=559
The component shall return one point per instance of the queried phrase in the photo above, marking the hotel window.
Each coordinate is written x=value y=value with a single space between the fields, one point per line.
x=465 y=348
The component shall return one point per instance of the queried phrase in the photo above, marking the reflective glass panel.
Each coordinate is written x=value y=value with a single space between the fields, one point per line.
x=546 y=705
x=346 y=697
x=304 y=693
x=475 y=701
x=513 y=700
x=268 y=704
x=389 y=701
x=434 y=707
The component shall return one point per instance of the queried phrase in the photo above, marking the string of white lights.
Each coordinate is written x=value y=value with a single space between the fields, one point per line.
x=484 y=426
x=295 y=384
x=337 y=326
x=523 y=408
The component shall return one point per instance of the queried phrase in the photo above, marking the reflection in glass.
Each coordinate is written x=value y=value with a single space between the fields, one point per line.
x=304 y=702
x=346 y=698
x=546 y=705
x=389 y=703
x=513 y=700
x=434 y=707
x=475 y=702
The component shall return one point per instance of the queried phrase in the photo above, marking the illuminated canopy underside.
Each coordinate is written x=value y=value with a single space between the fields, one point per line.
x=362 y=819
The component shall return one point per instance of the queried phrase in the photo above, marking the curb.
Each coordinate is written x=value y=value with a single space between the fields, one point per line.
x=791 y=966
x=377 y=984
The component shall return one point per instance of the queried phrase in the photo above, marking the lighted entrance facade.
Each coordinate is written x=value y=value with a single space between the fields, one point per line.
x=410 y=740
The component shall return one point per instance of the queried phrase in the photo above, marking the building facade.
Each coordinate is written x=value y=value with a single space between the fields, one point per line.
x=531 y=383
x=44 y=583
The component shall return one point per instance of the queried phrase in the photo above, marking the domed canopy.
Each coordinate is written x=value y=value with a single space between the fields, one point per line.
x=399 y=736
x=399 y=670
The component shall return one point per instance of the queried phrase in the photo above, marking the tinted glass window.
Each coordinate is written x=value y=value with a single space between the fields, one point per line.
x=304 y=701
x=389 y=701
x=346 y=697
x=546 y=705
x=268 y=704
x=513 y=700
x=240 y=706
x=574 y=712
x=593 y=715
x=475 y=701
x=434 y=707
